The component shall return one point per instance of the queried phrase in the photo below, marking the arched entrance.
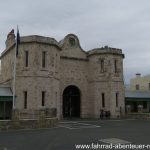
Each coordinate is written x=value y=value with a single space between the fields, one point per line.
x=71 y=102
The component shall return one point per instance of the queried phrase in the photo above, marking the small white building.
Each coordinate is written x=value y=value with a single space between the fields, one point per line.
x=137 y=96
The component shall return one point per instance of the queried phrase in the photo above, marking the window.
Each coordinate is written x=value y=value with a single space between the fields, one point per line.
x=43 y=59
x=56 y=62
x=102 y=65
x=115 y=66
x=103 y=100
x=72 y=42
x=52 y=61
x=43 y=98
x=137 y=86
x=149 y=86
x=25 y=99
x=26 y=58
x=117 y=94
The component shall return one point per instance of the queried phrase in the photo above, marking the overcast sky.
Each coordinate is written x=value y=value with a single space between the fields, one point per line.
x=121 y=24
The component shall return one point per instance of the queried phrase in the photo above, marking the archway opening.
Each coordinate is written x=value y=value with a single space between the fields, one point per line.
x=71 y=102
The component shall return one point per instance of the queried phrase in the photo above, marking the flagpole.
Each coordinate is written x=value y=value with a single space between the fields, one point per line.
x=14 y=72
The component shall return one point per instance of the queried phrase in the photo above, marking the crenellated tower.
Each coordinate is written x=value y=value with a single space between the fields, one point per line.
x=106 y=80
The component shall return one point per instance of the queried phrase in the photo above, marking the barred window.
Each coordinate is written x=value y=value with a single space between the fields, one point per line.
x=117 y=95
x=25 y=99
x=103 y=99
x=26 y=58
x=43 y=98
x=43 y=59
x=115 y=65
x=102 y=65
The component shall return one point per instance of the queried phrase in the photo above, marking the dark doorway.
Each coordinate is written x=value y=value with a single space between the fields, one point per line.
x=135 y=108
x=71 y=102
x=5 y=109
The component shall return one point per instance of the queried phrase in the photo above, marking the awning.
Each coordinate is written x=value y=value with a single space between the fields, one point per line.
x=137 y=96
x=6 y=94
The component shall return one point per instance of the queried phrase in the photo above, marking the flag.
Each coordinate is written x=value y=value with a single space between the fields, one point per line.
x=14 y=73
x=17 y=41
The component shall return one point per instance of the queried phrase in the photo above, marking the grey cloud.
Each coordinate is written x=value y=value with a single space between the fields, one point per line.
x=117 y=23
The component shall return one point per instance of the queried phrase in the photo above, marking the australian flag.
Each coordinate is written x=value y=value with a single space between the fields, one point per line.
x=17 y=41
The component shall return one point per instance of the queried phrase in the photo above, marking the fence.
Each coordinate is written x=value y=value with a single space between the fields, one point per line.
x=26 y=119
x=145 y=116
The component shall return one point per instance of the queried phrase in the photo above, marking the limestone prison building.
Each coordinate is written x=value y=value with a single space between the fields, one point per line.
x=62 y=76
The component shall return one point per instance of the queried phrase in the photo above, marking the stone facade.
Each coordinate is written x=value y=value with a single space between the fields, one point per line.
x=97 y=74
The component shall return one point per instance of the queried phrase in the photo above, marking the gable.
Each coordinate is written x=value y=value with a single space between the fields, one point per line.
x=71 y=47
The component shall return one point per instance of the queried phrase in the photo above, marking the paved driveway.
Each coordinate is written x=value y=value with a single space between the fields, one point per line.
x=69 y=134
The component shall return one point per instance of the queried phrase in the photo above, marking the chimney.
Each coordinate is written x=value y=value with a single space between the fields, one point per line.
x=138 y=75
x=10 y=38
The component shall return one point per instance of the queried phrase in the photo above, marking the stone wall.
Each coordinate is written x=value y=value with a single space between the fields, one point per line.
x=7 y=66
x=73 y=51
x=28 y=124
x=31 y=118
x=107 y=81
x=34 y=79
x=75 y=72
x=141 y=116
x=66 y=64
